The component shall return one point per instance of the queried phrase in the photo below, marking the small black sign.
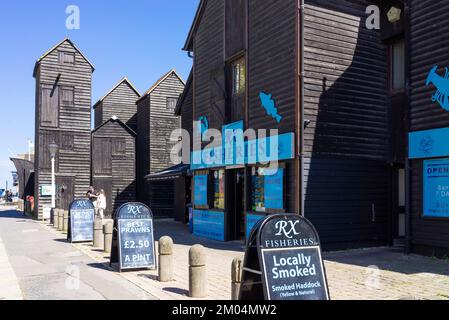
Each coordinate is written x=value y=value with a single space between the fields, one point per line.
x=81 y=221
x=134 y=238
x=290 y=258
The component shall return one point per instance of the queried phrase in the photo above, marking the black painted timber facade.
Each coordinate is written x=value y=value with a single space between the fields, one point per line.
x=156 y=120
x=427 y=41
x=328 y=77
x=114 y=163
x=63 y=116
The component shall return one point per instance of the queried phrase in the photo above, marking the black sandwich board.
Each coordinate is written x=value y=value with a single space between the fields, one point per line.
x=283 y=261
x=81 y=221
x=133 y=246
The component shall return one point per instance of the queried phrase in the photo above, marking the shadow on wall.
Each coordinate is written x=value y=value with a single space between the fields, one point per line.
x=346 y=142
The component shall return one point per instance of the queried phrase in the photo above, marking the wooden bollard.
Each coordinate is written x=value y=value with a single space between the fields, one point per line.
x=236 y=277
x=98 y=234
x=108 y=229
x=197 y=272
x=65 y=226
x=60 y=220
x=165 y=259
x=56 y=219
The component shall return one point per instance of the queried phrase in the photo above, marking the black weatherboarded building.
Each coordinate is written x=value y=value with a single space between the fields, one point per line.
x=156 y=121
x=63 y=116
x=319 y=76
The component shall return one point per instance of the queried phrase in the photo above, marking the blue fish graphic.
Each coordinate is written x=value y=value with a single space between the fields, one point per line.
x=270 y=106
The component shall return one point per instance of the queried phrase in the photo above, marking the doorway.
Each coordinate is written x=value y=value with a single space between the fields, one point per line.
x=235 y=181
x=398 y=205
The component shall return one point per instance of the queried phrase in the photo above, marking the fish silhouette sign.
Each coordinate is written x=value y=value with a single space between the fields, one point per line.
x=442 y=84
x=270 y=106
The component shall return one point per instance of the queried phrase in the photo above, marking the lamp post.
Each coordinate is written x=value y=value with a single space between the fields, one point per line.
x=53 y=148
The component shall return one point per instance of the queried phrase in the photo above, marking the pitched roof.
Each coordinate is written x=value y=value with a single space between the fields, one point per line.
x=157 y=83
x=178 y=108
x=188 y=46
x=116 y=119
x=54 y=48
x=125 y=79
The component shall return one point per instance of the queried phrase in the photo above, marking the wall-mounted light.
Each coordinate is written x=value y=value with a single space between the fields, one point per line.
x=394 y=14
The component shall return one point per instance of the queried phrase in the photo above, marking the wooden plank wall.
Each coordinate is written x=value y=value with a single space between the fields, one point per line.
x=123 y=174
x=346 y=143
x=121 y=103
x=163 y=122
x=143 y=146
x=428 y=47
x=75 y=161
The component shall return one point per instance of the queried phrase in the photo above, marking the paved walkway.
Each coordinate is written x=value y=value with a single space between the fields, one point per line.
x=371 y=274
x=42 y=260
x=46 y=267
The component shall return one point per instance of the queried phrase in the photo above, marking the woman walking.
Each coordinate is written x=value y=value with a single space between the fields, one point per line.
x=101 y=204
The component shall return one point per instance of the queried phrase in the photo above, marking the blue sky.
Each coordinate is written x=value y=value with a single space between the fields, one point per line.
x=140 y=39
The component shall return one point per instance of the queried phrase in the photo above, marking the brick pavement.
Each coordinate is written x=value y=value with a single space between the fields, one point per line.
x=369 y=274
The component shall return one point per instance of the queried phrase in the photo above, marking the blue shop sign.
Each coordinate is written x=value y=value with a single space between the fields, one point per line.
x=209 y=224
x=255 y=152
x=429 y=144
x=200 y=190
x=436 y=188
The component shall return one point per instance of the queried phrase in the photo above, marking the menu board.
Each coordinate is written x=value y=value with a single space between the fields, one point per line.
x=82 y=216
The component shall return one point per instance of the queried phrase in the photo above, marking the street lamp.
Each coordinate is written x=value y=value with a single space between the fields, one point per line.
x=53 y=148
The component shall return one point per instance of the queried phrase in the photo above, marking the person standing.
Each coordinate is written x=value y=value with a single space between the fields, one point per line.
x=101 y=204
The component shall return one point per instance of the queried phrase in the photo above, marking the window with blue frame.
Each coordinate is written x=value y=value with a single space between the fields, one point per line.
x=201 y=190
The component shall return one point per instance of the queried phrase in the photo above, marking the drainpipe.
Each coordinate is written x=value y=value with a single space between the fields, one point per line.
x=408 y=195
x=302 y=121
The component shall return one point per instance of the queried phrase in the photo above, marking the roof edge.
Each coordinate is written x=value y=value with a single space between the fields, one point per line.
x=124 y=79
x=158 y=82
x=188 y=46
x=115 y=119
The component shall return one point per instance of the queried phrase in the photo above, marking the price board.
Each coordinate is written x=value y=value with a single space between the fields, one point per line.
x=81 y=221
x=134 y=245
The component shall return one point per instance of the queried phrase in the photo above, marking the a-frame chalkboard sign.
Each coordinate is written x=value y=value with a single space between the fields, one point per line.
x=283 y=261
x=133 y=245
x=81 y=221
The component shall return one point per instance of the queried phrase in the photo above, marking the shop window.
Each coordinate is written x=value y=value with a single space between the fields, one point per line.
x=267 y=190
x=201 y=190
x=219 y=189
x=397 y=71
x=238 y=76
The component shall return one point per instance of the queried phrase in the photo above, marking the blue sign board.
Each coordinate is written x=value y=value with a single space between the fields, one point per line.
x=436 y=188
x=200 y=189
x=429 y=144
x=251 y=221
x=82 y=216
x=209 y=224
x=265 y=150
x=274 y=190
x=234 y=145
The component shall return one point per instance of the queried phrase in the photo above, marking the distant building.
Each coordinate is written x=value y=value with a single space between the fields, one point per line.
x=156 y=122
x=63 y=116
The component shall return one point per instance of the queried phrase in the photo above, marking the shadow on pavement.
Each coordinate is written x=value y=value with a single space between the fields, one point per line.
x=390 y=259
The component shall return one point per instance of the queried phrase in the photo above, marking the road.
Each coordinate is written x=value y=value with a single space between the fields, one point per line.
x=46 y=267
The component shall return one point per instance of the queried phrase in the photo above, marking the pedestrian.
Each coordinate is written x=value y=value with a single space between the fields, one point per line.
x=92 y=195
x=101 y=204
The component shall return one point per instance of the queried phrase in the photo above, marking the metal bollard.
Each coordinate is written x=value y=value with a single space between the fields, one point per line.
x=108 y=229
x=236 y=275
x=197 y=272
x=98 y=234
x=60 y=220
x=56 y=219
x=165 y=259
x=65 y=226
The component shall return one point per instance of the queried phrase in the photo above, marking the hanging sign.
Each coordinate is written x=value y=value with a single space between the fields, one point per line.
x=133 y=240
x=284 y=258
x=81 y=221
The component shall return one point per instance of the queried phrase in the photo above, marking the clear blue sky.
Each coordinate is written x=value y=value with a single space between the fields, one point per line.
x=140 y=39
